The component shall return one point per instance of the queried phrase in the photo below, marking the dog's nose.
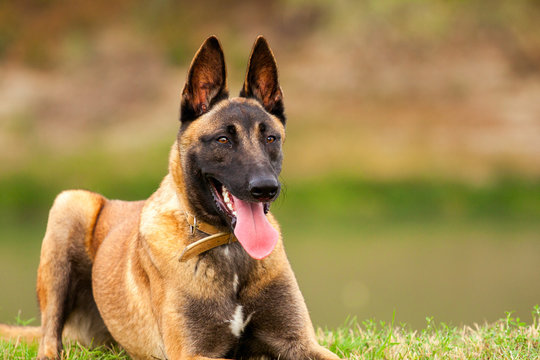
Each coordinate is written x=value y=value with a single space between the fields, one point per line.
x=264 y=188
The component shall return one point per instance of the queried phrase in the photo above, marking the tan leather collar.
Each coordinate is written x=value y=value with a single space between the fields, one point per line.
x=214 y=239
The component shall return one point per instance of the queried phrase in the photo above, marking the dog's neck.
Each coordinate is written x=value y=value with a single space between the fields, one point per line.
x=175 y=170
x=214 y=239
x=203 y=227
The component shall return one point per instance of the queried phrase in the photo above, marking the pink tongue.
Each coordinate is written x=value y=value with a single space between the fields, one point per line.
x=253 y=230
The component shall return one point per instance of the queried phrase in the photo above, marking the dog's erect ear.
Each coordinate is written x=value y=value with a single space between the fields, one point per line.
x=206 y=81
x=261 y=80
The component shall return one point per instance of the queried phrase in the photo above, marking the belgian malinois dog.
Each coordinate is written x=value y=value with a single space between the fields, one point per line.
x=198 y=270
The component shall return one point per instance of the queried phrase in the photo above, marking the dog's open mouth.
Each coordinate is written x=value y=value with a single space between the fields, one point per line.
x=248 y=220
x=225 y=201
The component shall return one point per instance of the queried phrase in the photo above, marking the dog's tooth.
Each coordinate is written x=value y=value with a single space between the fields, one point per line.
x=225 y=193
x=227 y=199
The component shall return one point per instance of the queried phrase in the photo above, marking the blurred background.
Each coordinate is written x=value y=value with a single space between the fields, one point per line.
x=412 y=163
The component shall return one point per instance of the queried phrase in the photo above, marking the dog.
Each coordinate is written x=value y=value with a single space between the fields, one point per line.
x=198 y=270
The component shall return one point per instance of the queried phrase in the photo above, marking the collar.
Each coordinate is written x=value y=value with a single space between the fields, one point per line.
x=214 y=239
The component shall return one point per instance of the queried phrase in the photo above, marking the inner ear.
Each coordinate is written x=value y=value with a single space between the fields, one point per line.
x=261 y=81
x=206 y=81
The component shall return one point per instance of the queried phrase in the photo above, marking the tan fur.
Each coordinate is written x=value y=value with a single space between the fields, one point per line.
x=109 y=269
x=162 y=230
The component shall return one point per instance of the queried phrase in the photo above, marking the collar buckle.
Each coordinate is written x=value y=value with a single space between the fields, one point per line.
x=193 y=227
x=214 y=239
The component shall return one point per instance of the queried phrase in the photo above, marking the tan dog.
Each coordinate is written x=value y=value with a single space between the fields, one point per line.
x=198 y=270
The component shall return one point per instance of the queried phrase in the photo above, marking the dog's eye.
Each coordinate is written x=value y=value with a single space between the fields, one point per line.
x=270 y=139
x=223 y=140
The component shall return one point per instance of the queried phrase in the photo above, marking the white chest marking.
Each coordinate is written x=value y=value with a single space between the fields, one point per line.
x=237 y=323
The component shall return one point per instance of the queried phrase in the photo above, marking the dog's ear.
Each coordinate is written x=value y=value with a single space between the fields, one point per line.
x=206 y=81
x=261 y=80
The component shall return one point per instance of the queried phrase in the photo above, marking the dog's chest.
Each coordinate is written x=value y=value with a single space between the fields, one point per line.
x=217 y=323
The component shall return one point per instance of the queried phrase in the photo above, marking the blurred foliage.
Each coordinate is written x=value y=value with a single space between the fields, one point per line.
x=355 y=200
x=347 y=201
x=32 y=31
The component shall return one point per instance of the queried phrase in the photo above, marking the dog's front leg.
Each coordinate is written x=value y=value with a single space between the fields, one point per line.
x=281 y=322
x=320 y=353
x=303 y=346
x=176 y=342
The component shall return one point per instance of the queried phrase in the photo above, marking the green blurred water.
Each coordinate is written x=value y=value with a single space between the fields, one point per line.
x=460 y=253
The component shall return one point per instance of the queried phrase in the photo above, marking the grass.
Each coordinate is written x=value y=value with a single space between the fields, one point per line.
x=507 y=338
x=22 y=350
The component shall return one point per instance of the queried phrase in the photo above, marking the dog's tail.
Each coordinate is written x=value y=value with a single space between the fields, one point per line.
x=26 y=333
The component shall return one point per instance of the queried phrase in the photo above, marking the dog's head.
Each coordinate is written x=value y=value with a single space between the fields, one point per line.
x=231 y=149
